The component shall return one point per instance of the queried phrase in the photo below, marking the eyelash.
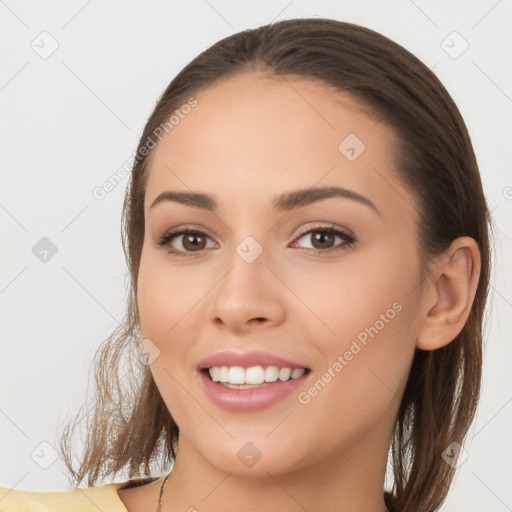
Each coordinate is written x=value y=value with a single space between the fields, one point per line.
x=349 y=240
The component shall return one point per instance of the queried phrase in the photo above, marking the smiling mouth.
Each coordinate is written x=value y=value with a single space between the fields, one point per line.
x=237 y=377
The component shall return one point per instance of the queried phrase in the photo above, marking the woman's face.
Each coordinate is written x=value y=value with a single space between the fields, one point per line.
x=264 y=275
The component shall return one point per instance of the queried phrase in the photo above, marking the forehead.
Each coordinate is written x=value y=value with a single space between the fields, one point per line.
x=252 y=137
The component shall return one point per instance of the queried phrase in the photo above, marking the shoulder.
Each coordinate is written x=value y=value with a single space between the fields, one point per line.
x=89 y=499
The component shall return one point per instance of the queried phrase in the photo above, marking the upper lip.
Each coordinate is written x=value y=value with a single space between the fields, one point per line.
x=247 y=359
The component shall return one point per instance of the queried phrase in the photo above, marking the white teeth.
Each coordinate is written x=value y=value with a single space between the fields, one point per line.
x=299 y=372
x=223 y=373
x=284 y=374
x=255 y=375
x=214 y=373
x=245 y=378
x=236 y=375
x=271 y=373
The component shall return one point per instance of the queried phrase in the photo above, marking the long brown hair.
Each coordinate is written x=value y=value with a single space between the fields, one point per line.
x=131 y=427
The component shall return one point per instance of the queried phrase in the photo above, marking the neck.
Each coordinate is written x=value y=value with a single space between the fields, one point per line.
x=352 y=480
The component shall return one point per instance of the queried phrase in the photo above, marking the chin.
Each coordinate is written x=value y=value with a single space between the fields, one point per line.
x=245 y=458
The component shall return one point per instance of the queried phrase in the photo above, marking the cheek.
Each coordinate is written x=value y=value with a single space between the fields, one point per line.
x=367 y=323
x=166 y=295
x=356 y=298
x=361 y=385
x=359 y=389
x=166 y=300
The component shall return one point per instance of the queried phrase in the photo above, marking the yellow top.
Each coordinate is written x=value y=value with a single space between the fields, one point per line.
x=102 y=498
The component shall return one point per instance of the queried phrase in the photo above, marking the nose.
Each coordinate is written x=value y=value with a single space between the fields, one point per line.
x=248 y=297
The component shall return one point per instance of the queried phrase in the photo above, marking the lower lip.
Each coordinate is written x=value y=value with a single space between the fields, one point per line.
x=240 y=400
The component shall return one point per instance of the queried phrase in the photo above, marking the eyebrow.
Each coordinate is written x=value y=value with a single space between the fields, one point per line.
x=284 y=202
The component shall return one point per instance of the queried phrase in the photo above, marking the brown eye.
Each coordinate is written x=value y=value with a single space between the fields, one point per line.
x=322 y=239
x=192 y=241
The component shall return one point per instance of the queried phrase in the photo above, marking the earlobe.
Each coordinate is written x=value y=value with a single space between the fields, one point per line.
x=451 y=291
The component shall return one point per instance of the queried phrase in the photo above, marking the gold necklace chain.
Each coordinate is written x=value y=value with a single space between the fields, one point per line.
x=159 y=509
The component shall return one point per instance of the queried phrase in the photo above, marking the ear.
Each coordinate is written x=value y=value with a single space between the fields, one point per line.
x=449 y=294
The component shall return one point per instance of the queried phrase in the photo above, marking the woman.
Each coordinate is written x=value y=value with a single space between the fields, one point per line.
x=307 y=238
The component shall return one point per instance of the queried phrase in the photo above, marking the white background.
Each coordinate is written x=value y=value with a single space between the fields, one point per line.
x=71 y=120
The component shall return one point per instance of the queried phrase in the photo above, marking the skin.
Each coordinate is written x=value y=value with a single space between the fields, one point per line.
x=250 y=138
